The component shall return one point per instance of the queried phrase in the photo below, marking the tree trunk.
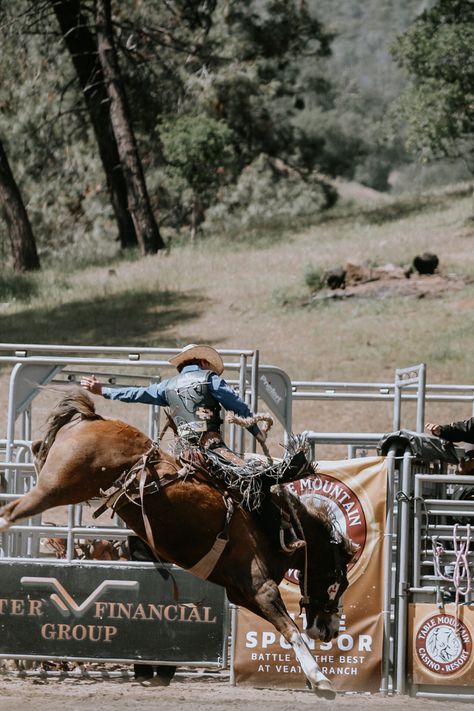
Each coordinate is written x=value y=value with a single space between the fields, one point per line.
x=146 y=229
x=193 y=220
x=82 y=47
x=25 y=256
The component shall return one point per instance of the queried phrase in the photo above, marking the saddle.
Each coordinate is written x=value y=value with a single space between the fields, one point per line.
x=256 y=485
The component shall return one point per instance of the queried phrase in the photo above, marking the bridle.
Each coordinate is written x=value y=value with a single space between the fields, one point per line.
x=329 y=604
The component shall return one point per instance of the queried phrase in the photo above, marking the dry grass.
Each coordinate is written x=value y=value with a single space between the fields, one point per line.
x=254 y=297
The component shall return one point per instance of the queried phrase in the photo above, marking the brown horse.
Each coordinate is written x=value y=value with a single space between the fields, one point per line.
x=183 y=512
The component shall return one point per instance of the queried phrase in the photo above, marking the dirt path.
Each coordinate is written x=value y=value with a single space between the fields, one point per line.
x=185 y=694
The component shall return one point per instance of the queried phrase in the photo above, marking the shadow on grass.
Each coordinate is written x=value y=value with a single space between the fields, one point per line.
x=137 y=318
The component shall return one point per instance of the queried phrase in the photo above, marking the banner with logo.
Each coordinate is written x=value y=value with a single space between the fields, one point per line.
x=110 y=613
x=355 y=492
x=441 y=648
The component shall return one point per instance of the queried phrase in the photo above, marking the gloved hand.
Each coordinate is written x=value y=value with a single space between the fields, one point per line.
x=92 y=384
x=434 y=429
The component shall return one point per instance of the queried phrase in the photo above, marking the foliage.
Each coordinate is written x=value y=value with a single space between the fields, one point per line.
x=198 y=151
x=265 y=193
x=365 y=80
x=47 y=138
x=257 y=83
x=256 y=77
x=437 y=55
x=314 y=279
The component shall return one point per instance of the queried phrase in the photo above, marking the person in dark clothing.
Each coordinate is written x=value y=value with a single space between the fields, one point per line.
x=462 y=431
x=148 y=674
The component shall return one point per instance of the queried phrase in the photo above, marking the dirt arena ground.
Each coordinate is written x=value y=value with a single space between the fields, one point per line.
x=185 y=694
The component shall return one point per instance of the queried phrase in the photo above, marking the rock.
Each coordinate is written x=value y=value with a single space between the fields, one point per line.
x=426 y=263
x=390 y=271
x=359 y=274
x=335 y=278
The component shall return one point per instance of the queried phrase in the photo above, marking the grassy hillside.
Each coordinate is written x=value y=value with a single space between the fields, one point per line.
x=252 y=294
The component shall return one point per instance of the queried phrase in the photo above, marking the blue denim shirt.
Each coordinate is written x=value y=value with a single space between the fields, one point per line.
x=155 y=394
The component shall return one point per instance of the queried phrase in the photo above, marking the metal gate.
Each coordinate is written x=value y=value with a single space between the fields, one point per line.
x=85 y=610
x=433 y=654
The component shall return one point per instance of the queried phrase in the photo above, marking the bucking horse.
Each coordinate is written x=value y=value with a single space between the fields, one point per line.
x=194 y=518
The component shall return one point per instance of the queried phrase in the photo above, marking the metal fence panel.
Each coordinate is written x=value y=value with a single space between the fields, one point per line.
x=111 y=613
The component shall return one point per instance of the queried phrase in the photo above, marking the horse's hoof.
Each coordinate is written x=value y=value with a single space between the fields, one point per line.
x=4 y=524
x=324 y=690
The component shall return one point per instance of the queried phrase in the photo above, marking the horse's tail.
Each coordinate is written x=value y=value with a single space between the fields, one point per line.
x=76 y=403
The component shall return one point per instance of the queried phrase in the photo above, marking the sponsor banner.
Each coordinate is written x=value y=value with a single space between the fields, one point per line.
x=99 y=612
x=355 y=492
x=441 y=651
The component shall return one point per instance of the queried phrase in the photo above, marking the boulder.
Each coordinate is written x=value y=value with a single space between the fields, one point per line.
x=426 y=263
x=358 y=273
x=335 y=278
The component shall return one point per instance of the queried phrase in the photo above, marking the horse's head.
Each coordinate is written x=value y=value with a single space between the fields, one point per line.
x=323 y=577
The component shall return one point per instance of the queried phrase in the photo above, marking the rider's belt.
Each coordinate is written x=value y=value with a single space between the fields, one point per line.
x=191 y=428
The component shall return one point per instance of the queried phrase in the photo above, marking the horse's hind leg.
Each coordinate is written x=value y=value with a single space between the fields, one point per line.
x=269 y=604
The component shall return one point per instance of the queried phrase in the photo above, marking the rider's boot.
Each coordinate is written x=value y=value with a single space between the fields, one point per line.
x=295 y=468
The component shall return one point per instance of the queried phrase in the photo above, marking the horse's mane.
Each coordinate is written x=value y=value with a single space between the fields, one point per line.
x=323 y=514
x=76 y=403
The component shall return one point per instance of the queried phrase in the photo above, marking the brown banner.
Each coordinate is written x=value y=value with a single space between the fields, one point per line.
x=441 y=648
x=355 y=491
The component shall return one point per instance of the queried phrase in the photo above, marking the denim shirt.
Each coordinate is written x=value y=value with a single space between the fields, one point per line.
x=155 y=394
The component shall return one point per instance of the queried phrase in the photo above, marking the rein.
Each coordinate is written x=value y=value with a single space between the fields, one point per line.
x=121 y=495
x=267 y=424
x=330 y=606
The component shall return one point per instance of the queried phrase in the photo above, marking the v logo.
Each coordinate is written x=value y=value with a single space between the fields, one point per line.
x=66 y=603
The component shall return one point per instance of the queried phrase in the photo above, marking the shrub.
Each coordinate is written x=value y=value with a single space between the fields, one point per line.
x=266 y=191
x=17 y=287
x=315 y=279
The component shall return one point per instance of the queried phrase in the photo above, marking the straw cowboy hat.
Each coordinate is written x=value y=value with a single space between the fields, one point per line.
x=195 y=352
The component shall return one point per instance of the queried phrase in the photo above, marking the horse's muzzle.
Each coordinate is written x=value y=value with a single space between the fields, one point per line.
x=324 y=628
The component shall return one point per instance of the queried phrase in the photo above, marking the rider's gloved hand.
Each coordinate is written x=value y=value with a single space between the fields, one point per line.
x=92 y=384
x=434 y=429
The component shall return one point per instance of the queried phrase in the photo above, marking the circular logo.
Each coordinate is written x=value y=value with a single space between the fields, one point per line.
x=337 y=501
x=443 y=644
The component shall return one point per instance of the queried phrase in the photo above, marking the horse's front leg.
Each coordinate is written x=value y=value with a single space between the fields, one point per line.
x=272 y=608
x=34 y=502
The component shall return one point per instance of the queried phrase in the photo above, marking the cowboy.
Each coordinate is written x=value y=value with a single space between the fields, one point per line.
x=195 y=397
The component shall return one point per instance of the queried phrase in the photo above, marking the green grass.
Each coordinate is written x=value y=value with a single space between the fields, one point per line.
x=257 y=297
x=17 y=287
